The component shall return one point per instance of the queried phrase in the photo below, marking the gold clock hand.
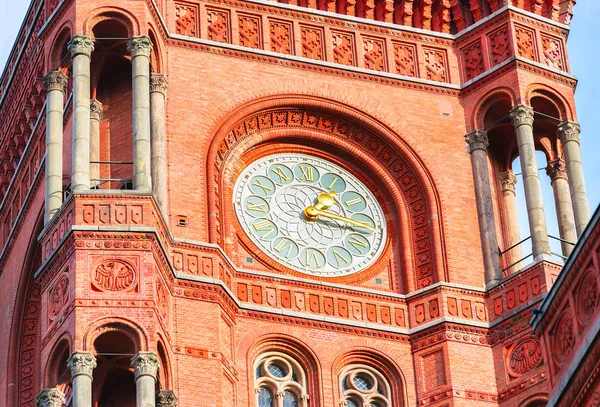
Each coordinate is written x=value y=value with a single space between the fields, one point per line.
x=312 y=213
x=325 y=200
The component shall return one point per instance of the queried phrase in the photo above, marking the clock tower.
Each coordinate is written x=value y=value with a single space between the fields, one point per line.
x=252 y=203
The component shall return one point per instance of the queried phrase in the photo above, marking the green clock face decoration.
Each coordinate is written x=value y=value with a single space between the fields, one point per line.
x=310 y=215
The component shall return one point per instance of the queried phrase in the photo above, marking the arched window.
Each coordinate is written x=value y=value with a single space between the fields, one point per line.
x=363 y=386
x=280 y=381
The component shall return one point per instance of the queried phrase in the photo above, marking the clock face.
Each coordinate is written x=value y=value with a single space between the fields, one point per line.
x=310 y=214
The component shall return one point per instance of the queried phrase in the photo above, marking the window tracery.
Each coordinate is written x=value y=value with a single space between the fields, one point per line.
x=363 y=386
x=280 y=381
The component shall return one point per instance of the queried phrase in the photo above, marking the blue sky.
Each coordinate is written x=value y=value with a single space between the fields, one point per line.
x=584 y=57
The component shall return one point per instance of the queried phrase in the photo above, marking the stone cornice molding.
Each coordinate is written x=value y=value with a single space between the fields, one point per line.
x=569 y=131
x=521 y=115
x=81 y=363
x=166 y=398
x=141 y=45
x=145 y=364
x=95 y=110
x=158 y=83
x=50 y=397
x=80 y=45
x=508 y=180
x=476 y=140
x=557 y=169
x=55 y=80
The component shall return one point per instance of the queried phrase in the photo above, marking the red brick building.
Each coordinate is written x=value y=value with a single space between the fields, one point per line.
x=256 y=203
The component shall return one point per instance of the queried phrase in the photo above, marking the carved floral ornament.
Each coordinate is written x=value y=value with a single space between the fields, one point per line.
x=564 y=339
x=141 y=45
x=51 y=397
x=80 y=45
x=55 y=80
x=522 y=115
x=525 y=356
x=587 y=297
x=114 y=275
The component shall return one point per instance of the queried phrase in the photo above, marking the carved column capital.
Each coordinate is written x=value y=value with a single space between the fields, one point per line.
x=55 y=80
x=158 y=83
x=476 y=140
x=95 y=110
x=80 y=44
x=81 y=363
x=556 y=169
x=50 y=397
x=145 y=364
x=569 y=131
x=166 y=398
x=508 y=180
x=139 y=46
x=521 y=115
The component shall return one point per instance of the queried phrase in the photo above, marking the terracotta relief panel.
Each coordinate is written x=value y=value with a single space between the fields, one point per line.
x=186 y=22
x=58 y=296
x=115 y=275
x=282 y=38
x=374 y=49
x=525 y=43
x=523 y=356
x=312 y=42
x=554 y=55
x=405 y=59
x=249 y=29
x=219 y=26
x=499 y=45
x=473 y=60
x=587 y=297
x=343 y=48
x=435 y=65
x=564 y=339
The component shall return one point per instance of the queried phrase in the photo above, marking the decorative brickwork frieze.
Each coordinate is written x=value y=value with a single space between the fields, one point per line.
x=343 y=48
x=473 y=60
x=250 y=31
x=374 y=51
x=219 y=25
x=554 y=55
x=281 y=36
x=499 y=45
x=312 y=42
x=186 y=22
x=405 y=59
x=526 y=43
x=435 y=65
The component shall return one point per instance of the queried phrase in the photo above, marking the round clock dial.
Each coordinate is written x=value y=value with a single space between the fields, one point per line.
x=310 y=214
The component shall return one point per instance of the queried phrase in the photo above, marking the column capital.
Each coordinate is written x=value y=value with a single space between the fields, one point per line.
x=556 y=169
x=95 y=109
x=508 y=180
x=80 y=44
x=145 y=364
x=158 y=83
x=141 y=45
x=476 y=140
x=55 y=80
x=81 y=363
x=50 y=397
x=166 y=398
x=569 y=131
x=521 y=115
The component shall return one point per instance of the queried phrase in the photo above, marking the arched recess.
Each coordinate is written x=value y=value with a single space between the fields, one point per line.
x=376 y=360
x=58 y=56
x=165 y=380
x=112 y=14
x=553 y=96
x=378 y=156
x=537 y=400
x=57 y=374
x=156 y=54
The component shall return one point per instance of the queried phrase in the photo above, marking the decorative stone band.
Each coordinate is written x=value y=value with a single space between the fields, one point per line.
x=50 y=397
x=139 y=46
x=55 y=80
x=476 y=140
x=508 y=180
x=522 y=115
x=80 y=44
x=569 y=131
x=95 y=110
x=166 y=398
x=145 y=364
x=158 y=83
x=81 y=363
x=557 y=169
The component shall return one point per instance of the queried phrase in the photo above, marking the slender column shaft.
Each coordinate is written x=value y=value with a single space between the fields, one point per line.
x=95 y=118
x=50 y=397
x=477 y=143
x=81 y=364
x=522 y=118
x=568 y=132
x=158 y=89
x=145 y=365
x=166 y=398
x=54 y=83
x=557 y=171
x=508 y=180
x=140 y=48
x=81 y=48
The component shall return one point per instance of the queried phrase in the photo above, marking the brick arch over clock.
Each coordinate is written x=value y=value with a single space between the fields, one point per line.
x=352 y=139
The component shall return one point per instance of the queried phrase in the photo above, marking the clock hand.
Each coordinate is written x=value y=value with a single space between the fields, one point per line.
x=312 y=212
x=325 y=200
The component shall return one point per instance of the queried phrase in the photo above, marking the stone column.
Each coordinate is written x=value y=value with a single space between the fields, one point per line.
x=54 y=83
x=166 y=398
x=145 y=365
x=508 y=180
x=95 y=118
x=522 y=119
x=477 y=143
x=568 y=132
x=81 y=48
x=557 y=171
x=140 y=48
x=50 y=397
x=81 y=364
x=158 y=89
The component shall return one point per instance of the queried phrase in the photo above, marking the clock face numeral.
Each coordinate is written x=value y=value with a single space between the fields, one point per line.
x=285 y=248
x=339 y=257
x=255 y=206
x=353 y=201
x=312 y=258
x=262 y=186
x=306 y=172
x=333 y=182
x=264 y=228
x=281 y=174
x=357 y=244
x=364 y=219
